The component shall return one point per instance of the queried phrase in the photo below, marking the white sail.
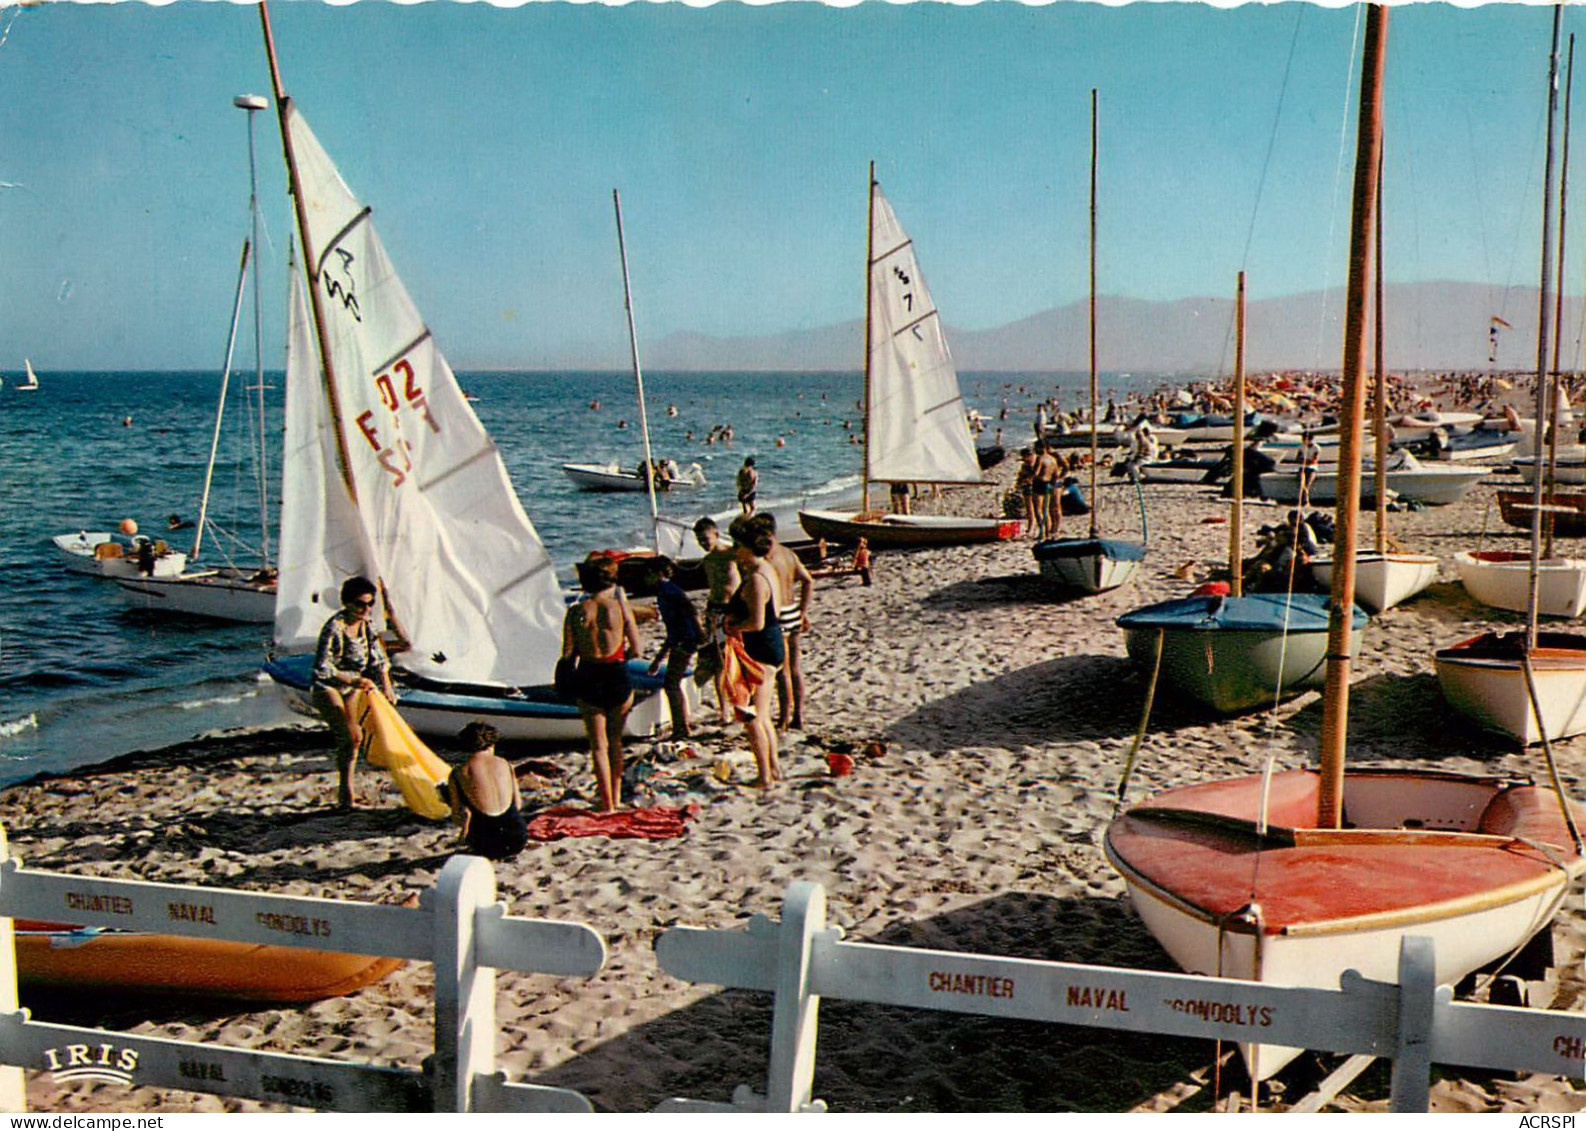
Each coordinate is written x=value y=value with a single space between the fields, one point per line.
x=322 y=539
x=918 y=429
x=467 y=581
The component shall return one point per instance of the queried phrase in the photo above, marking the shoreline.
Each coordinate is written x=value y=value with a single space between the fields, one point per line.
x=1005 y=712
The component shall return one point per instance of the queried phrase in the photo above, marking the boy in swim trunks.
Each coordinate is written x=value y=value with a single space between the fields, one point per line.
x=721 y=579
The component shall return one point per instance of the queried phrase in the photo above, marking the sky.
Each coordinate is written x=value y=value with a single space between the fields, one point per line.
x=489 y=140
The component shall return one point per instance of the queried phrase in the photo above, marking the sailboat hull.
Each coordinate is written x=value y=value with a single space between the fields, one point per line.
x=221 y=594
x=905 y=531
x=1382 y=580
x=611 y=477
x=1422 y=854
x=1090 y=565
x=539 y=714
x=1234 y=653
x=1501 y=578
x=1484 y=679
x=1568 y=522
x=83 y=554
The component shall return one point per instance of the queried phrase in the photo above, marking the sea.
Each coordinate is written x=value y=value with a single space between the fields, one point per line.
x=85 y=677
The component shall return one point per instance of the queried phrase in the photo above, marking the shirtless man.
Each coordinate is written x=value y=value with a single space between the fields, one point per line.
x=1043 y=493
x=748 y=484
x=794 y=587
x=721 y=578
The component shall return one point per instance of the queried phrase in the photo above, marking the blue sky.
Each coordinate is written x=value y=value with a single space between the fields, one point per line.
x=489 y=140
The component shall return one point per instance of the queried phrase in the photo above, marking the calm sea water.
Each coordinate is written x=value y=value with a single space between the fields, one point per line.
x=84 y=678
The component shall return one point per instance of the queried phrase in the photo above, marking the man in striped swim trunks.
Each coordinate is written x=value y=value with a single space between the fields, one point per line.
x=794 y=587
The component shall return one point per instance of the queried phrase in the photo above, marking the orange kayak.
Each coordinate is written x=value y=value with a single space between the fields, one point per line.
x=63 y=957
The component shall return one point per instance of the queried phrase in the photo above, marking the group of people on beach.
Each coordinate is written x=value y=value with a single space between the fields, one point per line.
x=747 y=645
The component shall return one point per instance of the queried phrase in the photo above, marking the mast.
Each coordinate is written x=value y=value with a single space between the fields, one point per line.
x=1544 y=294
x=1558 y=305
x=1340 y=628
x=1236 y=532
x=327 y=367
x=220 y=409
x=310 y=268
x=648 y=471
x=870 y=250
x=252 y=103
x=1379 y=414
x=1095 y=499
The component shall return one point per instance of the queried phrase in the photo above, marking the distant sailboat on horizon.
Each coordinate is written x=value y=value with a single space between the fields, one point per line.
x=32 y=381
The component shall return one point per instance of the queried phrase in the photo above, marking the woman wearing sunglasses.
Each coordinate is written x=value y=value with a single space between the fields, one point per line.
x=350 y=657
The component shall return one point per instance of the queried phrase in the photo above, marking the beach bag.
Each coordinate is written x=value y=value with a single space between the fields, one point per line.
x=566 y=677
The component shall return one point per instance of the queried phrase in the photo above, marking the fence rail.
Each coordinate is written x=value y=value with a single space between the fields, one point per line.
x=461 y=928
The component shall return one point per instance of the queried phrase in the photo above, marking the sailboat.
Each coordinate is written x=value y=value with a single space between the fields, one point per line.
x=915 y=427
x=613 y=476
x=388 y=474
x=1383 y=577
x=1235 y=651
x=1293 y=877
x=1092 y=564
x=241 y=594
x=31 y=381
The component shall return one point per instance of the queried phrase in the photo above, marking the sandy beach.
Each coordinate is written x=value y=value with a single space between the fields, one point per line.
x=1004 y=712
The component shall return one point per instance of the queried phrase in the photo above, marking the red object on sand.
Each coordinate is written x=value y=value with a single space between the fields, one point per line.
x=841 y=765
x=658 y=822
x=1213 y=589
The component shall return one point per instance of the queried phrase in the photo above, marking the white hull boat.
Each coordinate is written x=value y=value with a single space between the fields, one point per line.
x=1478 y=865
x=1484 y=679
x=1382 y=580
x=102 y=554
x=215 y=594
x=29 y=383
x=1567 y=469
x=1419 y=426
x=615 y=477
x=1430 y=486
x=1502 y=579
x=1089 y=565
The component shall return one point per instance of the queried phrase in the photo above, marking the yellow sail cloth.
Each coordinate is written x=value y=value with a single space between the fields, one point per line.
x=390 y=744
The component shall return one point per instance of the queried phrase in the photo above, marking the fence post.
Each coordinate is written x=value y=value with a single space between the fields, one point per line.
x=1412 y=1058
x=13 y=1085
x=465 y=992
x=795 y=1013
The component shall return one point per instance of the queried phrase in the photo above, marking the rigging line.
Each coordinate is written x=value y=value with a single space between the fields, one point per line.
x=1338 y=176
x=1272 y=138
x=1481 y=206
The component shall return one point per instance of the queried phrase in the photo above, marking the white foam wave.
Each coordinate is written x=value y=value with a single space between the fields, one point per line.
x=10 y=728
x=215 y=701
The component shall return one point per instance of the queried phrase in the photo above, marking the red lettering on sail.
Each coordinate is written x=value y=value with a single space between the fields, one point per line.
x=388 y=395
x=366 y=426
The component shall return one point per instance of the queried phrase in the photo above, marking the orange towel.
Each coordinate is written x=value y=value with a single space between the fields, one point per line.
x=741 y=675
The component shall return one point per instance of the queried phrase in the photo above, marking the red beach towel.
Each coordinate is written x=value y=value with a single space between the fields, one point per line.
x=658 y=822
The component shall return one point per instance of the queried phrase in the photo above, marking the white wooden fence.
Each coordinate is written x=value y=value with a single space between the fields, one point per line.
x=801 y=960
x=460 y=927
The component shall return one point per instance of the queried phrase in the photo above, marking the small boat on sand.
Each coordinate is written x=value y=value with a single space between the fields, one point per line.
x=65 y=958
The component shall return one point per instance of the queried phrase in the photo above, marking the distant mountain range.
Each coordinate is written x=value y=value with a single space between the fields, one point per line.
x=1441 y=325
